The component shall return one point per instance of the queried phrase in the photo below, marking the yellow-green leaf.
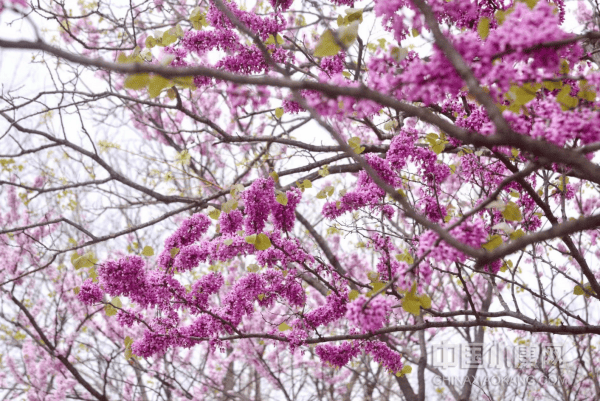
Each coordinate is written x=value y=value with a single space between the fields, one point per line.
x=517 y=234
x=282 y=198
x=213 y=213
x=230 y=205
x=565 y=99
x=156 y=85
x=274 y=175
x=284 y=326
x=137 y=81
x=251 y=239
x=352 y=295
x=327 y=45
x=174 y=252
x=425 y=301
x=578 y=290
x=262 y=242
x=511 y=212
x=76 y=290
x=412 y=307
x=128 y=341
x=494 y=242
x=150 y=42
x=483 y=28
x=399 y=53
x=88 y=259
x=116 y=301
x=279 y=112
x=109 y=310
x=148 y=251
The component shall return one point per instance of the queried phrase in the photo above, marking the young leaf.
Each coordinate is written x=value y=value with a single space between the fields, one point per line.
x=494 y=242
x=282 y=198
x=512 y=213
x=352 y=295
x=148 y=251
x=279 y=112
x=517 y=234
x=214 y=213
x=411 y=306
x=251 y=239
x=137 y=81
x=109 y=310
x=284 y=327
x=327 y=45
x=262 y=242
x=483 y=28
x=116 y=301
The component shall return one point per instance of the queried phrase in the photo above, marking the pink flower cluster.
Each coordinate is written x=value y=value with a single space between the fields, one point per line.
x=373 y=316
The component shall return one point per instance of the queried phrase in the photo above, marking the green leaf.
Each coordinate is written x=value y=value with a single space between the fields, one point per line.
x=274 y=175
x=438 y=148
x=327 y=45
x=251 y=239
x=354 y=142
x=279 y=112
x=262 y=242
x=284 y=327
x=76 y=290
x=228 y=241
x=88 y=259
x=168 y=38
x=128 y=341
x=150 y=42
x=352 y=295
x=373 y=276
x=213 y=213
x=425 y=301
x=156 y=85
x=116 y=301
x=198 y=19
x=405 y=257
x=174 y=252
x=399 y=54
x=271 y=40
x=282 y=198
x=109 y=310
x=412 y=307
x=586 y=91
x=565 y=99
x=228 y=206
x=494 y=242
x=578 y=290
x=253 y=268
x=354 y=14
x=324 y=172
x=347 y=34
x=137 y=81
x=483 y=28
x=517 y=234
x=236 y=189
x=511 y=212
x=406 y=369
x=148 y=251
